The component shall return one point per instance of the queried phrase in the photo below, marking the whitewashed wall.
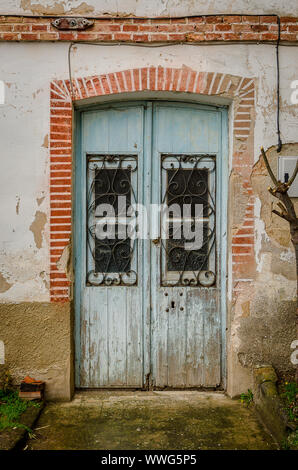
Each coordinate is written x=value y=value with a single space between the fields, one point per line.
x=148 y=7
x=27 y=70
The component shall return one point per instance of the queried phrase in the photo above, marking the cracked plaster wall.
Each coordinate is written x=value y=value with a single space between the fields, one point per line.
x=27 y=70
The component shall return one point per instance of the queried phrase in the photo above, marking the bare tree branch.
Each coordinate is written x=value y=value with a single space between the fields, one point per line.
x=271 y=174
x=282 y=215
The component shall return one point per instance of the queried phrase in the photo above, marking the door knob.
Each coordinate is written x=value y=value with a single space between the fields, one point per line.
x=156 y=241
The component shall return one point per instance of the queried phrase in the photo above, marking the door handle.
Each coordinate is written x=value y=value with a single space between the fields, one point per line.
x=156 y=241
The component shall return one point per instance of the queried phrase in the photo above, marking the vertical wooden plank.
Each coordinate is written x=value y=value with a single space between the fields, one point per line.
x=117 y=336
x=160 y=328
x=195 y=338
x=176 y=340
x=145 y=246
x=212 y=344
x=134 y=339
x=98 y=333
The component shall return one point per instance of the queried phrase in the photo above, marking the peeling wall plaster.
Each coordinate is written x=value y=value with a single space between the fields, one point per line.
x=37 y=227
x=24 y=127
x=4 y=285
x=147 y=7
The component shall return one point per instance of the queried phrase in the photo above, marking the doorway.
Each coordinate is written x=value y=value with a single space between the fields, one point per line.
x=149 y=295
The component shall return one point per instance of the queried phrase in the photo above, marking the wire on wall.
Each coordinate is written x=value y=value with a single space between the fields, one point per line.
x=279 y=141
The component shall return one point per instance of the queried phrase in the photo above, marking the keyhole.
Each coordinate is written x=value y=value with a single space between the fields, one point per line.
x=173 y=304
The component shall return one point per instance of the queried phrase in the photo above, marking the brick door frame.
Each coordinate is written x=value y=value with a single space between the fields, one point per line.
x=241 y=93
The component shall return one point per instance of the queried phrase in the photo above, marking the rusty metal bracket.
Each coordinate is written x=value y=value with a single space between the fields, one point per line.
x=72 y=23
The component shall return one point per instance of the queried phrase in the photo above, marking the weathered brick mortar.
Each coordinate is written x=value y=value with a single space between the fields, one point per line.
x=197 y=29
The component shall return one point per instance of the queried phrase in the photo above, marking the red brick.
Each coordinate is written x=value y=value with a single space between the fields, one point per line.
x=29 y=36
x=106 y=28
x=58 y=220
x=196 y=37
x=21 y=27
x=58 y=275
x=67 y=36
x=59 y=283
x=11 y=19
x=61 y=205
x=159 y=37
x=86 y=36
x=131 y=27
x=288 y=19
x=230 y=36
x=60 y=189
x=268 y=19
x=289 y=36
x=39 y=27
x=214 y=19
x=232 y=19
x=186 y=28
x=214 y=36
x=179 y=20
x=9 y=36
x=259 y=28
x=61 y=212
x=5 y=27
x=59 y=236
x=61 y=228
x=154 y=29
x=250 y=36
x=60 y=174
x=177 y=37
x=56 y=182
x=140 y=37
x=122 y=36
x=242 y=249
x=196 y=19
x=205 y=27
x=61 y=120
x=241 y=27
x=223 y=27
x=49 y=36
x=161 y=20
x=243 y=240
x=62 y=112
x=269 y=36
x=251 y=19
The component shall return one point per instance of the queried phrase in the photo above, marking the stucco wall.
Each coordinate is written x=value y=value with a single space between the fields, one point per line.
x=261 y=321
x=38 y=342
x=147 y=8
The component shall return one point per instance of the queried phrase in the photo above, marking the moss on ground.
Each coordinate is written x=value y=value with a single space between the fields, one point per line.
x=150 y=420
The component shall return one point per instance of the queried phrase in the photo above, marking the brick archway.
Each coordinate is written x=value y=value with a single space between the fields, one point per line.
x=240 y=89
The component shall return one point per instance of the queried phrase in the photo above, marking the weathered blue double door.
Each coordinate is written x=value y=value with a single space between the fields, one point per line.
x=147 y=297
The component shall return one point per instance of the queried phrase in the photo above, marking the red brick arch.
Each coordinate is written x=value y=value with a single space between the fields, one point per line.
x=239 y=89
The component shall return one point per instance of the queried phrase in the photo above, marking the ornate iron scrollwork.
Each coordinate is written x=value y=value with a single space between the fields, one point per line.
x=110 y=177
x=187 y=180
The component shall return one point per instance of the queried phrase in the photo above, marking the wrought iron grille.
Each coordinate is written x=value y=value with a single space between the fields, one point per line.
x=187 y=180
x=111 y=260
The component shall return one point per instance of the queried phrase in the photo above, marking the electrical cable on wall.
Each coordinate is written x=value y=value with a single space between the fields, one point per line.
x=279 y=141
